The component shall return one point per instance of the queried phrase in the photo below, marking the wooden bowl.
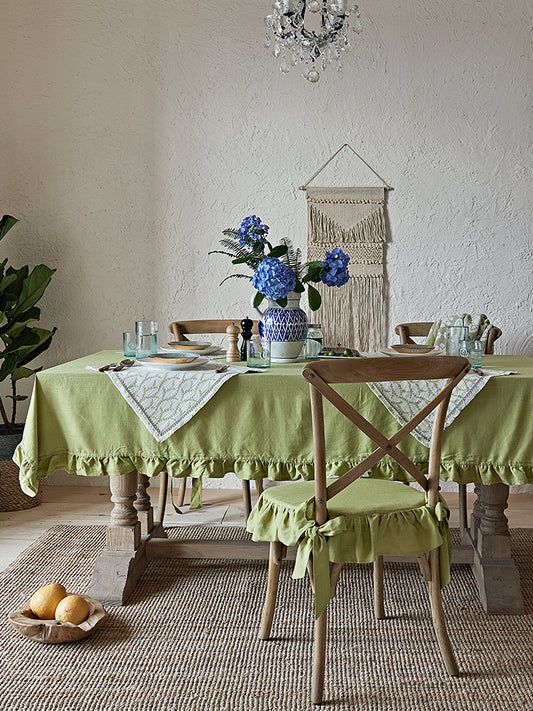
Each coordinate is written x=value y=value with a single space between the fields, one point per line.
x=189 y=345
x=413 y=348
x=170 y=358
x=54 y=632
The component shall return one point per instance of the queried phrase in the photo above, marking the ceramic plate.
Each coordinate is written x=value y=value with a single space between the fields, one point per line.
x=210 y=350
x=190 y=345
x=412 y=348
x=335 y=357
x=149 y=363
x=392 y=352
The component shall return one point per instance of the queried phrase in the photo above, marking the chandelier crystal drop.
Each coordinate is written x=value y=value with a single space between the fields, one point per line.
x=315 y=40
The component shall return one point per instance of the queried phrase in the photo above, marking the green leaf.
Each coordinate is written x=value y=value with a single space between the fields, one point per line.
x=241 y=260
x=278 y=251
x=6 y=223
x=313 y=297
x=45 y=338
x=33 y=288
x=20 y=373
x=258 y=298
x=299 y=288
x=12 y=329
x=282 y=302
x=17 y=398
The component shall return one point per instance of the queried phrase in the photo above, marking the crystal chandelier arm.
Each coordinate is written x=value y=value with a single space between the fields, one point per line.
x=346 y=145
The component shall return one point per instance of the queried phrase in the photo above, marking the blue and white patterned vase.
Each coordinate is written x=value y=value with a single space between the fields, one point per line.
x=286 y=328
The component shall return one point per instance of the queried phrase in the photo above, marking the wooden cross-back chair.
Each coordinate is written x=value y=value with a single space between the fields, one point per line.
x=331 y=518
x=420 y=329
x=179 y=331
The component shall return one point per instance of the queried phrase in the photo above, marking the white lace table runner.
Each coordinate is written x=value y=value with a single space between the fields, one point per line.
x=403 y=399
x=165 y=400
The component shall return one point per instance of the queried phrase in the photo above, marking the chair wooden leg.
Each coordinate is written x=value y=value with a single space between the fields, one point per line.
x=379 y=607
x=259 y=486
x=247 y=497
x=334 y=573
x=162 y=500
x=438 y=615
x=274 y=566
x=181 y=491
x=463 y=512
x=319 y=658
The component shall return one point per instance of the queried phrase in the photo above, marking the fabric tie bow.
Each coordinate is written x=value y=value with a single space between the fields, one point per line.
x=314 y=542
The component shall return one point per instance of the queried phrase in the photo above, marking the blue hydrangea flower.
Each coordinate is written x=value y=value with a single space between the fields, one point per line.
x=335 y=268
x=252 y=232
x=273 y=278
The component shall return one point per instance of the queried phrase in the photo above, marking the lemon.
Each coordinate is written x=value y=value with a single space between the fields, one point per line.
x=45 y=600
x=73 y=608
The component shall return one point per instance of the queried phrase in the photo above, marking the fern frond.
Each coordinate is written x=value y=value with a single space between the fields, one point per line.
x=294 y=259
x=236 y=276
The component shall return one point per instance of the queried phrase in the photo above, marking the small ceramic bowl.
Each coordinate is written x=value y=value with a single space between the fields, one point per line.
x=171 y=358
x=189 y=345
x=414 y=348
x=52 y=631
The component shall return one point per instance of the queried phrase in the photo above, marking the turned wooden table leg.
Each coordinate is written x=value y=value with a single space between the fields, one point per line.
x=143 y=504
x=477 y=513
x=119 y=566
x=495 y=570
x=124 y=530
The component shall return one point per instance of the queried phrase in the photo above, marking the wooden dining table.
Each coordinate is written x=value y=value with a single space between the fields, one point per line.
x=258 y=426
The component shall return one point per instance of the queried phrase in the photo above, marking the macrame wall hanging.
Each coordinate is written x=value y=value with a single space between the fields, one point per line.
x=354 y=220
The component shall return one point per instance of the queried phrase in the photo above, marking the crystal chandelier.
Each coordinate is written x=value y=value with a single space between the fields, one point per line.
x=316 y=40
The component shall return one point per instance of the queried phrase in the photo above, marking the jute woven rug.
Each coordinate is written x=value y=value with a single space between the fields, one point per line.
x=188 y=640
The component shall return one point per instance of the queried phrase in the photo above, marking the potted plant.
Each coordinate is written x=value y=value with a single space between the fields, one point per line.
x=280 y=275
x=20 y=343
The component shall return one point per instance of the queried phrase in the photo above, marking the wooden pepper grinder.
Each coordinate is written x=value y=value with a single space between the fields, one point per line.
x=232 y=354
x=246 y=325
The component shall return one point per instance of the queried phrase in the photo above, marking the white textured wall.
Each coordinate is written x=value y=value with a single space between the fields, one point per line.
x=133 y=132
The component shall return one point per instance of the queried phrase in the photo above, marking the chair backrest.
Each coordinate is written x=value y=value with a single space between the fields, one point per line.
x=181 y=329
x=321 y=374
x=407 y=331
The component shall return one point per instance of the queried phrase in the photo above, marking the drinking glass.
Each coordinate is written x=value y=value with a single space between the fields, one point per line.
x=454 y=336
x=476 y=354
x=129 y=344
x=258 y=352
x=146 y=338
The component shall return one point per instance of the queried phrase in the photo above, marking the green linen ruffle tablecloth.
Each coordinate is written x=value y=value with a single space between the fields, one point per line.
x=258 y=425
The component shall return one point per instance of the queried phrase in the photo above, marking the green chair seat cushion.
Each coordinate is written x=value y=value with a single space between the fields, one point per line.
x=370 y=517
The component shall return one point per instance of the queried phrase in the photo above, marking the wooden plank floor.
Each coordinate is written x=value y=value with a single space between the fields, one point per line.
x=91 y=506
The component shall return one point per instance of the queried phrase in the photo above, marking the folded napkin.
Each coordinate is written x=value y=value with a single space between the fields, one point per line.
x=404 y=398
x=165 y=400
x=478 y=328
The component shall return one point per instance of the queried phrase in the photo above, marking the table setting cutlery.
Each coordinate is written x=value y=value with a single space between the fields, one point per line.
x=115 y=367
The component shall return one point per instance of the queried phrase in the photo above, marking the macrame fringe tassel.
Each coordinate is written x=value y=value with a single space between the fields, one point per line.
x=325 y=229
x=352 y=315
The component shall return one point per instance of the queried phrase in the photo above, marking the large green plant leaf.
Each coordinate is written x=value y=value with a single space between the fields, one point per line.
x=14 y=328
x=23 y=348
x=33 y=288
x=6 y=223
x=313 y=298
x=19 y=374
x=30 y=352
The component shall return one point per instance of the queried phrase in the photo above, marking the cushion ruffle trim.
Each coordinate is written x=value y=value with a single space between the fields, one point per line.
x=402 y=533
